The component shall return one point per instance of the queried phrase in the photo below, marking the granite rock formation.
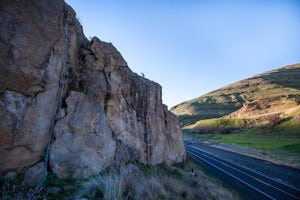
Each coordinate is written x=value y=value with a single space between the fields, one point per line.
x=107 y=115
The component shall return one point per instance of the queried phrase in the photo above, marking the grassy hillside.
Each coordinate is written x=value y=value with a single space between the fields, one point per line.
x=255 y=132
x=259 y=112
x=273 y=91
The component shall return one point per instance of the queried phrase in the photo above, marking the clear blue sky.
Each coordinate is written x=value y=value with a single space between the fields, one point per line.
x=191 y=47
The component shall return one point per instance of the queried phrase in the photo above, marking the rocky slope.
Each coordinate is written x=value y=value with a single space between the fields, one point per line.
x=268 y=94
x=107 y=113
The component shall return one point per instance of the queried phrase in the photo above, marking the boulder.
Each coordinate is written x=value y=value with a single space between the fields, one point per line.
x=34 y=174
x=84 y=143
x=10 y=176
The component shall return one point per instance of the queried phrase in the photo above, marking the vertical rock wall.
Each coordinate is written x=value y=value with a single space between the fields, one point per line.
x=31 y=57
x=109 y=114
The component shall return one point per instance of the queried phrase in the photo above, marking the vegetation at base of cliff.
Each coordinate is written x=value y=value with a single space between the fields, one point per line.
x=133 y=181
x=11 y=189
x=14 y=189
x=140 y=181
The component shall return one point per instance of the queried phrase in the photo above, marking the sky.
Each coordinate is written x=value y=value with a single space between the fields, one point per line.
x=192 y=47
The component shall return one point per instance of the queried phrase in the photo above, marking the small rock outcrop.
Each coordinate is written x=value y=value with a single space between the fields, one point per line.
x=107 y=113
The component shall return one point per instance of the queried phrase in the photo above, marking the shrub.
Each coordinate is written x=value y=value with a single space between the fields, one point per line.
x=80 y=89
x=273 y=120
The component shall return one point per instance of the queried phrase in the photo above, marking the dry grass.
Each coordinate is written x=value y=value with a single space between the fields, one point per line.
x=10 y=190
x=133 y=181
x=138 y=181
x=103 y=187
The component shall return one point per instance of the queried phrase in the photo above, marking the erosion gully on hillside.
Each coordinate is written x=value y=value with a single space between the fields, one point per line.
x=252 y=178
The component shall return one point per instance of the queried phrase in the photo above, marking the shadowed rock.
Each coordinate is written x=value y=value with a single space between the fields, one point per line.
x=106 y=108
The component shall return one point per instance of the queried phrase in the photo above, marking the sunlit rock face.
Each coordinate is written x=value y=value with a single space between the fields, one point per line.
x=108 y=114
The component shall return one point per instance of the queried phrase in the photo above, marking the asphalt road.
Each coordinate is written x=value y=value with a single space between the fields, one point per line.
x=251 y=178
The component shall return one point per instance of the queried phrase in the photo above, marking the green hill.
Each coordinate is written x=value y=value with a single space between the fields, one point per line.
x=256 y=98
x=262 y=112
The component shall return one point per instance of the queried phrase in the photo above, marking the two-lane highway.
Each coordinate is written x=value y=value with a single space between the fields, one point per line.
x=250 y=183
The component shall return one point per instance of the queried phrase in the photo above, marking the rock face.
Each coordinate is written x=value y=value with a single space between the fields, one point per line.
x=31 y=59
x=83 y=138
x=108 y=113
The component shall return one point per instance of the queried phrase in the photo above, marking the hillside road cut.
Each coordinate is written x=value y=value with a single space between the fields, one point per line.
x=252 y=178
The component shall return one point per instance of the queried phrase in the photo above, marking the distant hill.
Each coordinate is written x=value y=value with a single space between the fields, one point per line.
x=263 y=99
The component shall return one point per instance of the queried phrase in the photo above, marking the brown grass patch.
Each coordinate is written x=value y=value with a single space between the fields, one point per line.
x=139 y=181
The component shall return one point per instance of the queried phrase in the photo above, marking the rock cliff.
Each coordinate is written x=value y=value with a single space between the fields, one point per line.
x=101 y=112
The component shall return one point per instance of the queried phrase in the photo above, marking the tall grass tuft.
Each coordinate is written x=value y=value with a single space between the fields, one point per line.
x=108 y=186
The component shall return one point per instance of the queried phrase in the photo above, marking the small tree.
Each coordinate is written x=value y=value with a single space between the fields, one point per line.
x=273 y=120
